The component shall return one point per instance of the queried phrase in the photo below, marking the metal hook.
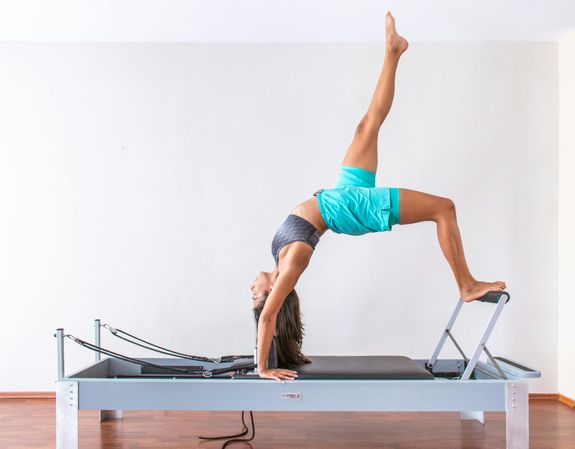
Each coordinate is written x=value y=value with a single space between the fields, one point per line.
x=110 y=328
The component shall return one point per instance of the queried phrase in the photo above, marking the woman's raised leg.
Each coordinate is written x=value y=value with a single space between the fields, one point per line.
x=416 y=207
x=362 y=152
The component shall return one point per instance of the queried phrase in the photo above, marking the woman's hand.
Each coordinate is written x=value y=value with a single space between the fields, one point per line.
x=277 y=374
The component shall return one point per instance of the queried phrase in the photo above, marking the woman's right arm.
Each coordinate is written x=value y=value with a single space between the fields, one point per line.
x=284 y=284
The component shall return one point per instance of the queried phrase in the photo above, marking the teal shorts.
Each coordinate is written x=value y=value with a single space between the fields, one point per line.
x=355 y=206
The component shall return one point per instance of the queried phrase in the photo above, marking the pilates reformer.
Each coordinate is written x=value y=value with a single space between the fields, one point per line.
x=330 y=383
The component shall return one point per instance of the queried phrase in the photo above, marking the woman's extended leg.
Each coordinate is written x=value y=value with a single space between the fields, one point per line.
x=362 y=152
x=416 y=207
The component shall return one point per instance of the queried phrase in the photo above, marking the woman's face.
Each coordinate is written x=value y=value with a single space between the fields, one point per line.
x=261 y=285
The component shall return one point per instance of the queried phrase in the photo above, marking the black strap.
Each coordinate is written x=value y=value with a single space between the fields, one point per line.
x=126 y=358
x=156 y=348
x=172 y=369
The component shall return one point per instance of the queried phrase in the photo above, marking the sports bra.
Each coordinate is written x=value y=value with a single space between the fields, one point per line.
x=294 y=229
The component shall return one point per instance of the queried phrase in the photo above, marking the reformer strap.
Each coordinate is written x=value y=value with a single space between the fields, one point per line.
x=169 y=369
x=159 y=349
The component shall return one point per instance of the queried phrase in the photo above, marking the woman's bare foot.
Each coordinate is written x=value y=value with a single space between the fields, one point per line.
x=477 y=289
x=396 y=44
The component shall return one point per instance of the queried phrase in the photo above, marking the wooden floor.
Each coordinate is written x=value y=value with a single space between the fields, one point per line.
x=30 y=424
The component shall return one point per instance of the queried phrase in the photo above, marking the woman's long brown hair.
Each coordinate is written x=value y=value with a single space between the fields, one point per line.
x=289 y=331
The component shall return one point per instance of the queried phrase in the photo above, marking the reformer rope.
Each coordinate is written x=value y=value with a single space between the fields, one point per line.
x=156 y=348
x=126 y=358
x=206 y=373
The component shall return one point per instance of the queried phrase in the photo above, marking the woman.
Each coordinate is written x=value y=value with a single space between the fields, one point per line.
x=354 y=207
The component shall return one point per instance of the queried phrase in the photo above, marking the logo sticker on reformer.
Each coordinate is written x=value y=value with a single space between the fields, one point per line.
x=291 y=396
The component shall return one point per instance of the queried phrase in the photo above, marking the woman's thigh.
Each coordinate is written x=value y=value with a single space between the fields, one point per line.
x=415 y=206
x=362 y=152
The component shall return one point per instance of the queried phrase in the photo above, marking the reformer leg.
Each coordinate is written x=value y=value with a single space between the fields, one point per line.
x=473 y=416
x=67 y=415
x=517 y=415
x=106 y=415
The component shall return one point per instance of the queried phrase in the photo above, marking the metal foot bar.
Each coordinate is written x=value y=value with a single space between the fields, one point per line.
x=499 y=298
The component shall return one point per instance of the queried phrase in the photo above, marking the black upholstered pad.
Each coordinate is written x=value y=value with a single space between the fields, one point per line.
x=361 y=367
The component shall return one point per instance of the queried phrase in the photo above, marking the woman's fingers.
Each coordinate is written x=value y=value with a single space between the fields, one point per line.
x=285 y=375
x=280 y=374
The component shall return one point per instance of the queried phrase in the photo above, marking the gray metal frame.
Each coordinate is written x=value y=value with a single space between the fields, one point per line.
x=93 y=389
x=481 y=346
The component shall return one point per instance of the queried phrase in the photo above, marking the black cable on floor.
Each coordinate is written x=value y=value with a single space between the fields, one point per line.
x=232 y=439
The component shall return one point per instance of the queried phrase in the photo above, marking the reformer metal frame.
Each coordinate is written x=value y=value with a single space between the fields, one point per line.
x=499 y=298
x=491 y=386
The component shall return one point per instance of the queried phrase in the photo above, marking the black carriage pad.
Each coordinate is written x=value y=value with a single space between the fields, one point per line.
x=362 y=367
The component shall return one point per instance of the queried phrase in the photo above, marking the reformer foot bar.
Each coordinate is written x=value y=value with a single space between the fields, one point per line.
x=329 y=383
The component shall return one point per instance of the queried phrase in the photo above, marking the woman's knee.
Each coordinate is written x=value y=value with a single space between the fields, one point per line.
x=445 y=208
x=367 y=125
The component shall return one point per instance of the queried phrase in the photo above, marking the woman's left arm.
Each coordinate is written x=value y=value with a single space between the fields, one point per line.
x=284 y=284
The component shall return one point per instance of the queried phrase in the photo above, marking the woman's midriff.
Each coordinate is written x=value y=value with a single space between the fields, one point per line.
x=309 y=210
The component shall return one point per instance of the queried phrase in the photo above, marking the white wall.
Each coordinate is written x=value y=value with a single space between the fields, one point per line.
x=142 y=184
x=281 y=20
x=566 y=215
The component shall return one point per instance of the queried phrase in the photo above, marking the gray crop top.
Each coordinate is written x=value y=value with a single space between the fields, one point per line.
x=294 y=229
